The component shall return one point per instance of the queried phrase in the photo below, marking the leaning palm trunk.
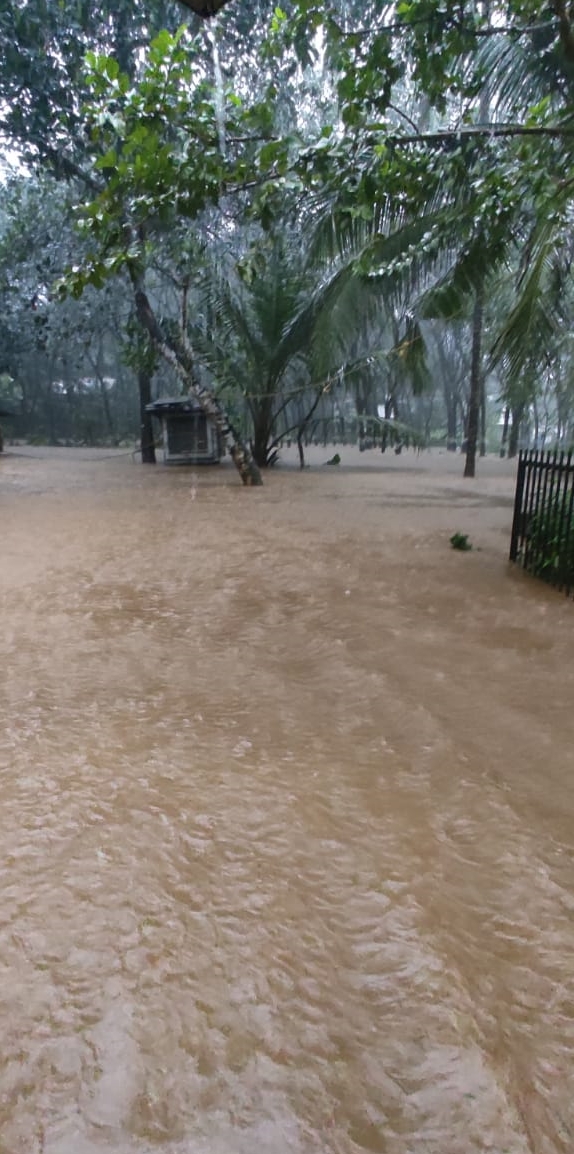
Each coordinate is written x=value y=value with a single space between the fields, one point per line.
x=177 y=353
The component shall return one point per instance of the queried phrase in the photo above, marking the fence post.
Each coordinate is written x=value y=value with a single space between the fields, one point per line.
x=517 y=519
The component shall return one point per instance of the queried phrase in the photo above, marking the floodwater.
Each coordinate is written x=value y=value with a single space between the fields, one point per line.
x=287 y=789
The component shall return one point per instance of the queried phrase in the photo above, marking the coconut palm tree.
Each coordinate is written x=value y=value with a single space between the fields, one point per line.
x=286 y=327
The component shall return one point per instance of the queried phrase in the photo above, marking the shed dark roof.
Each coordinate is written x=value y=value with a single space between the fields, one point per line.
x=174 y=405
x=205 y=8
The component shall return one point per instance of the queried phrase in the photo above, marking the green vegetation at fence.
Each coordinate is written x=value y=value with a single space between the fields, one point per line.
x=549 y=544
x=543 y=527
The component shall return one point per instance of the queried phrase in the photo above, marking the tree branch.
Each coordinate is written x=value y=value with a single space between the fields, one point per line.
x=458 y=26
x=404 y=116
x=66 y=167
x=565 y=25
x=493 y=130
x=184 y=295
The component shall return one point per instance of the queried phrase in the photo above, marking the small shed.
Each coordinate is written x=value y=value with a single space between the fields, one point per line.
x=189 y=436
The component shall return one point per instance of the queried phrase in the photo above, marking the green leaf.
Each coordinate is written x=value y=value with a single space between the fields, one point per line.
x=108 y=160
x=271 y=152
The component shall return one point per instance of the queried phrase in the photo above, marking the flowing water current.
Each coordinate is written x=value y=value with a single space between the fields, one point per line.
x=286 y=815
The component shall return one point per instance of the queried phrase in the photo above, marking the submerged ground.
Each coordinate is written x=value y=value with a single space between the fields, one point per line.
x=286 y=813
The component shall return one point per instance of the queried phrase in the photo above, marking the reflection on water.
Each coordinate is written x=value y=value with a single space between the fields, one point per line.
x=285 y=818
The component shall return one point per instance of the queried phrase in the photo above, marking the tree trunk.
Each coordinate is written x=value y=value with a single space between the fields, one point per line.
x=177 y=353
x=107 y=410
x=483 y=416
x=385 y=432
x=99 y=370
x=475 y=386
x=451 y=423
x=146 y=421
x=517 y=414
x=259 y=447
x=477 y=399
x=50 y=413
x=505 y=431
x=262 y=417
x=537 y=444
x=303 y=428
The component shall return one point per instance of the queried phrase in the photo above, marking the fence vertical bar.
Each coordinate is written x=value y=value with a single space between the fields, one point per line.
x=568 y=535
x=565 y=476
x=536 y=554
x=553 y=538
x=517 y=519
x=530 y=457
x=536 y=459
x=521 y=527
x=542 y=510
x=537 y=507
x=547 y=522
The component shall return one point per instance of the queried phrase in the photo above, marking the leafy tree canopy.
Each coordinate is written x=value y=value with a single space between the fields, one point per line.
x=428 y=140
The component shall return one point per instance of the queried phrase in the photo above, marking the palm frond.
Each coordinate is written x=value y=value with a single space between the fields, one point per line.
x=522 y=71
x=229 y=320
x=449 y=297
x=409 y=356
x=533 y=325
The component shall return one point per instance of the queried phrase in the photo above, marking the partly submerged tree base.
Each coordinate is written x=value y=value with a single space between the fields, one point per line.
x=246 y=467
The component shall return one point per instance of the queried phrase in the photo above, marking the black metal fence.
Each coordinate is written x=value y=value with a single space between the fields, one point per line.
x=543 y=526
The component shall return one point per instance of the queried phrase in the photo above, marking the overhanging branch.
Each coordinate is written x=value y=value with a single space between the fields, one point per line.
x=489 y=131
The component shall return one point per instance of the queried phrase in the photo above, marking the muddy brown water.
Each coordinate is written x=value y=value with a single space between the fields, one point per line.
x=287 y=790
